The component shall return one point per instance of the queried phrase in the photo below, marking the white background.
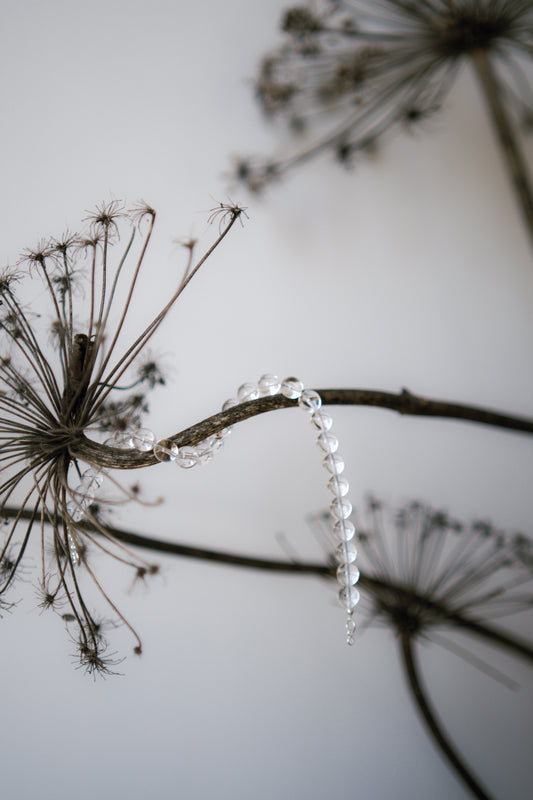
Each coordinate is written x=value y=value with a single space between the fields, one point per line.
x=413 y=271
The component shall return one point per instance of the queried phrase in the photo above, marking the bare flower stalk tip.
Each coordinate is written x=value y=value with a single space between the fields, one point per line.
x=69 y=373
x=349 y=72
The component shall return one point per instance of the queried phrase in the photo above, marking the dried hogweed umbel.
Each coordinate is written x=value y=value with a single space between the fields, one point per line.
x=357 y=69
x=54 y=390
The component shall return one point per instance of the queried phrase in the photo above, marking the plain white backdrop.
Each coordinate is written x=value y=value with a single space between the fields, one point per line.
x=414 y=270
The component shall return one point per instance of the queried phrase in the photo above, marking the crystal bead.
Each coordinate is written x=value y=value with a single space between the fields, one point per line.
x=246 y=392
x=310 y=401
x=340 y=508
x=327 y=442
x=343 y=530
x=229 y=404
x=291 y=388
x=348 y=574
x=143 y=439
x=165 y=451
x=187 y=457
x=73 y=550
x=338 y=486
x=74 y=511
x=268 y=384
x=92 y=479
x=121 y=440
x=350 y=628
x=83 y=495
x=333 y=464
x=349 y=597
x=321 y=421
x=346 y=553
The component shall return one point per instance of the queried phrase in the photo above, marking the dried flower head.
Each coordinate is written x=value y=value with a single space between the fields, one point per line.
x=89 y=380
x=357 y=69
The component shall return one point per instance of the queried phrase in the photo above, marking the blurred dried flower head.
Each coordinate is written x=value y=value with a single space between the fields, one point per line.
x=354 y=70
x=422 y=570
x=73 y=371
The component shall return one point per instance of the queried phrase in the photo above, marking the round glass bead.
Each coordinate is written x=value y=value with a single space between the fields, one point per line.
x=338 y=486
x=268 y=384
x=327 y=442
x=246 y=392
x=164 y=451
x=291 y=388
x=143 y=439
x=310 y=401
x=187 y=457
x=121 y=440
x=344 y=530
x=92 y=479
x=349 y=597
x=321 y=421
x=348 y=574
x=229 y=404
x=346 y=553
x=340 y=508
x=333 y=464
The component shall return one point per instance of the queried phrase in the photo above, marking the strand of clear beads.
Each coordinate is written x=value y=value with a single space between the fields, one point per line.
x=90 y=482
x=340 y=507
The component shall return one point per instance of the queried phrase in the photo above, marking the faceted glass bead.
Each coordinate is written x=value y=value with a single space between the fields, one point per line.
x=327 y=442
x=91 y=479
x=333 y=464
x=164 y=451
x=340 y=508
x=74 y=511
x=247 y=391
x=343 y=530
x=338 y=486
x=346 y=553
x=348 y=574
x=73 y=550
x=187 y=457
x=310 y=401
x=349 y=597
x=268 y=384
x=291 y=388
x=143 y=439
x=321 y=421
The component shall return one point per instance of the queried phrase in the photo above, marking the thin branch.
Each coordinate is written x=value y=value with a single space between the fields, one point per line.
x=403 y=402
x=432 y=721
x=373 y=586
x=513 y=156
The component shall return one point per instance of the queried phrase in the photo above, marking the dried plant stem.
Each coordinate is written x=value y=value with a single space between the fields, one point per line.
x=433 y=724
x=403 y=402
x=513 y=156
x=373 y=586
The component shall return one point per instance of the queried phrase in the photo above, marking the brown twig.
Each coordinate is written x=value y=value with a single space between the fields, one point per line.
x=403 y=402
x=373 y=586
x=513 y=156
x=432 y=721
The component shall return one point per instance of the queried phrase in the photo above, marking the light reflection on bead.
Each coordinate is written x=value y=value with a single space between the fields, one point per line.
x=327 y=442
x=321 y=421
x=348 y=574
x=310 y=401
x=187 y=457
x=338 y=486
x=268 y=384
x=333 y=464
x=340 y=508
x=344 y=530
x=349 y=597
x=246 y=392
x=291 y=388
x=346 y=553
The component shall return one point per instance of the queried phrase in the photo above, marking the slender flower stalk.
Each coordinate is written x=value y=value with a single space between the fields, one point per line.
x=90 y=383
x=353 y=71
x=429 y=574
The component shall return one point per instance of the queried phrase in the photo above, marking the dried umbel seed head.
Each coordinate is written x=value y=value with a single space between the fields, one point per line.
x=58 y=391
